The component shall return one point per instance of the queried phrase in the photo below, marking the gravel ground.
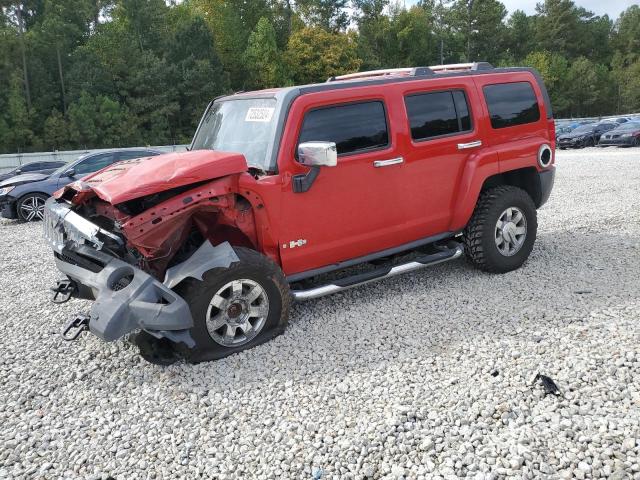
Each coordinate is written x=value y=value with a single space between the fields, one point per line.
x=423 y=376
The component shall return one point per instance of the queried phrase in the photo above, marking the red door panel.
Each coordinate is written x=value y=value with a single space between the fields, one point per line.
x=350 y=210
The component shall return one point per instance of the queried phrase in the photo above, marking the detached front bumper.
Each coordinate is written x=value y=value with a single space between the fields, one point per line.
x=126 y=298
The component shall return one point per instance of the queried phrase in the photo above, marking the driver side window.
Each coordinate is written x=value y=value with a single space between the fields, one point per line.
x=93 y=164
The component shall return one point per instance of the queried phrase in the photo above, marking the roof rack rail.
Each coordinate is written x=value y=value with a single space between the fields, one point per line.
x=461 y=67
x=415 y=71
x=406 y=72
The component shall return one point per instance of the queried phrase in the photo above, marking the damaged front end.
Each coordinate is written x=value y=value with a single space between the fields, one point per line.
x=126 y=298
x=127 y=249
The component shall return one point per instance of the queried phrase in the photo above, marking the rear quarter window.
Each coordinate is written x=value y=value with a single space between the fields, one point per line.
x=354 y=127
x=511 y=104
x=436 y=114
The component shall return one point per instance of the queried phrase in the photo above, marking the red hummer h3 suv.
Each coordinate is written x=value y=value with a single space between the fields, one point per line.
x=298 y=192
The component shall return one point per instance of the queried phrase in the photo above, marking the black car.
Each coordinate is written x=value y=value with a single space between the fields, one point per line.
x=33 y=167
x=626 y=135
x=585 y=135
x=24 y=196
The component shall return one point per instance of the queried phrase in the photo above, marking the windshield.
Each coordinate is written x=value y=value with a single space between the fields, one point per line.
x=244 y=126
x=583 y=129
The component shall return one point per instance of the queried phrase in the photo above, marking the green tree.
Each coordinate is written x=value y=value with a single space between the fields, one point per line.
x=100 y=122
x=263 y=59
x=56 y=131
x=313 y=54
x=373 y=32
x=562 y=27
x=554 y=69
x=480 y=26
x=590 y=88
x=231 y=22
x=626 y=38
x=520 y=31
x=19 y=135
x=199 y=73
x=328 y=14
x=64 y=24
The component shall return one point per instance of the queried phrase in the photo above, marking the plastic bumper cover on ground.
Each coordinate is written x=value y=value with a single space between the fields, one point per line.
x=126 y=298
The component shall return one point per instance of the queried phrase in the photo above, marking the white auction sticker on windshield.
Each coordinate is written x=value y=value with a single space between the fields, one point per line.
x=259 y=114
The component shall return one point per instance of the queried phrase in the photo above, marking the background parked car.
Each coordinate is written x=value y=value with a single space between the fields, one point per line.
x=33 y=167
x=585 y=135
x=23 y=196
x=626 y=135
x=620 y=120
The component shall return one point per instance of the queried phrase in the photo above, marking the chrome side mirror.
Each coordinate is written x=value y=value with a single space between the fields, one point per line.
x=318 y=154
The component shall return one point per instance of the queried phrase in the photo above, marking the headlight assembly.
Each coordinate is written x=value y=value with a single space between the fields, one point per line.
x=5 y=190
x=625 y=135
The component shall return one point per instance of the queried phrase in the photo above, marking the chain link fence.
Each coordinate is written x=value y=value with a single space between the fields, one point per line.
x=13 y=160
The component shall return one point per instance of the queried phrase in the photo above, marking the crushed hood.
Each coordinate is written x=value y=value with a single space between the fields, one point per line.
x=25 y=178
x=139 y=177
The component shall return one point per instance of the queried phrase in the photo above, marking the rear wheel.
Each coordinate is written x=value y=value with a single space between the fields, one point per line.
x=31 y=207
x=236 y=308
x=589 y=142
x=502 y=230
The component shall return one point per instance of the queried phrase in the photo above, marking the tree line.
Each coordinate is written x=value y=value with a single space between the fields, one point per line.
x=107 y=73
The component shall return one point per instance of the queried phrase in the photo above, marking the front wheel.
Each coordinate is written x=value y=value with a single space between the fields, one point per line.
x=31 y=207
x=236 y=308
x=502 y=230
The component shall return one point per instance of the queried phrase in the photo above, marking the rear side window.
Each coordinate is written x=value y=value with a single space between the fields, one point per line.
x=355 y=127
x=93 y=164
x=511 y=104
x=437 y=114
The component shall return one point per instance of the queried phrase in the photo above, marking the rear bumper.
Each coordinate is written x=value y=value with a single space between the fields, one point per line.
x=126 y=298
x=547 y=178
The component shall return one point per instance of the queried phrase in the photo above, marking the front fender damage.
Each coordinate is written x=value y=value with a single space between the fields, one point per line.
x=202 y=260
x=131 y=295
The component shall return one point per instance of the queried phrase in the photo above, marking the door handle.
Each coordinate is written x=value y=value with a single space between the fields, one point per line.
x=474 y=144
x=386 y=163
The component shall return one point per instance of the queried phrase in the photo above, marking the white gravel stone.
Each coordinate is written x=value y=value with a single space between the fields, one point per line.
x=426 y=375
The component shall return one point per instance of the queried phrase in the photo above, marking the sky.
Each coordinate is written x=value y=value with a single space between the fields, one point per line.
x=599 y=7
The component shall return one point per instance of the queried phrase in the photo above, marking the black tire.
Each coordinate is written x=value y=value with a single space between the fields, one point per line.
x=27 y=203
x=479 y=235
x=198 y=294
x=589 y=142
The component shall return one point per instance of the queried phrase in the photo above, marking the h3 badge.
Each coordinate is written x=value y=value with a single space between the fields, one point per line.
x=295 y=243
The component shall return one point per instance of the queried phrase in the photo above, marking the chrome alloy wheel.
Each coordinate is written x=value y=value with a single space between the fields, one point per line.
x=237 y=312
x=32 y=208
x=511 y=231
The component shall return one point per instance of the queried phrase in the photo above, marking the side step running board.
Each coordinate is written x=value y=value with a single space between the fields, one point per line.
x=445 y=255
